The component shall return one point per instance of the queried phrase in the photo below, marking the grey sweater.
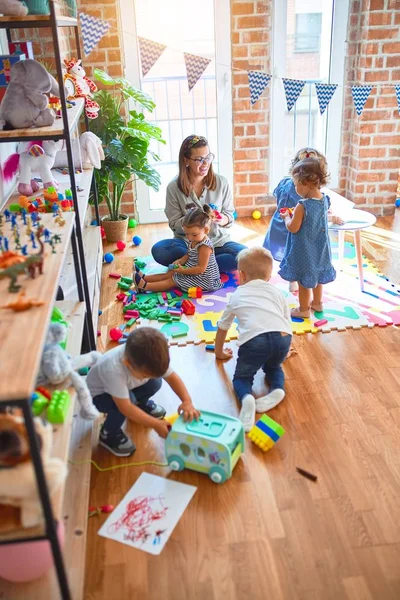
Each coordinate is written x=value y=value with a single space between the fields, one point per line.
x=175 y=208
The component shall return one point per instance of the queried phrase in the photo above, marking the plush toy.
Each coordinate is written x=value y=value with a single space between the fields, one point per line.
x=91 y=150
x=18 y=486
x=56 y=366
x=13 y=7
x=25 y=103
x=80 y=86
x=32 y=157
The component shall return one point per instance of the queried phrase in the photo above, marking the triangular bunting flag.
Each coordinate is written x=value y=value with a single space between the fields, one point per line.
x=293 y=89
x=93 y=30
x=258 y=81
x=397 y=87
x=360 y=95
x=195 y=67
x=150 y=52
x=325 y=92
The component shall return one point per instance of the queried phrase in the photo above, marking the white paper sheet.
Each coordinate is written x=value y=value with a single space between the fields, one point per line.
x=148 y=513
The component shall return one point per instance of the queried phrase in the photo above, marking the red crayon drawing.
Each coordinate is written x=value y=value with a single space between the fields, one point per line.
x=137 y=518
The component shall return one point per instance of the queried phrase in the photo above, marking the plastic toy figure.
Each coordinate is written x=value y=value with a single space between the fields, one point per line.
x=7 y=215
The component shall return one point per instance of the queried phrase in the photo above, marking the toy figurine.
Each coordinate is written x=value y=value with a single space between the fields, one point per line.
x=7 y=215
x=32 y=236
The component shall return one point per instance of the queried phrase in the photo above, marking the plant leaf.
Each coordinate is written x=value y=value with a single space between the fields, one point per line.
x=150 y=176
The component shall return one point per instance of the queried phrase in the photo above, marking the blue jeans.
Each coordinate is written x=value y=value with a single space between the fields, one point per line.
x=266 y=351
x=167 y=251
x=115 y=419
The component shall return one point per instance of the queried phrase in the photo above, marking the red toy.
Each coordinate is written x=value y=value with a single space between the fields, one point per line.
x=195 y=292
x=116 y=334
x=121 y=245
x=188 y=307
x=282 y=211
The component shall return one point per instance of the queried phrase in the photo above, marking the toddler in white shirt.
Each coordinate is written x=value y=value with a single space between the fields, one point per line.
x=265 y=333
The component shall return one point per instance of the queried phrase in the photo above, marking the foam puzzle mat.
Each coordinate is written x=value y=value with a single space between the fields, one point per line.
x=345 y=305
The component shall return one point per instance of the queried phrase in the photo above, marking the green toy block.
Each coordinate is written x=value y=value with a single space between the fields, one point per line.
x=132 y=306
x=160 y=299
x=154 y=314
x=273 y=425
x=169 y=297
x=14 y=208
x=140 y=263
x=176 y=318
x=123 y=286
x=127 y=280
x=131 y=322
x=39 y=403
x=58 y=407
x=179 y=334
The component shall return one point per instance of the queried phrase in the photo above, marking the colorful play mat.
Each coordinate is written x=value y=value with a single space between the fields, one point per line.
x=345 y=305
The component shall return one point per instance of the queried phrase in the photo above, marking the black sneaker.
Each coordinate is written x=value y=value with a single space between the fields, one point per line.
x=153 y=409
x=120 y=444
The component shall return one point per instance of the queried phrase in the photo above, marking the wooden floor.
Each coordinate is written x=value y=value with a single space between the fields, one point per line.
x=268 y=532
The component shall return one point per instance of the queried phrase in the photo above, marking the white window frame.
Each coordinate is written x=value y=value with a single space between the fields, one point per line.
x=336 y=75
x=223 y=73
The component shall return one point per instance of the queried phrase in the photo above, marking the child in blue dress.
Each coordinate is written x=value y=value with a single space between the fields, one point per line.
x=287 y=197
x=197 y=268
x=307 y=258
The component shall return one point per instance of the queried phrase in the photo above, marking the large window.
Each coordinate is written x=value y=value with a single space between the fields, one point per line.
x=308 y=32
x=309 y=44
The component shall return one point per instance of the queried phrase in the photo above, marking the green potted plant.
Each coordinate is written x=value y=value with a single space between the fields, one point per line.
x=126 y=137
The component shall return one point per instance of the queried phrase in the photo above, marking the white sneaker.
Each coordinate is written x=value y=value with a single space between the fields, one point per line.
x=293 y=286
x=248 y=412
x=269 y=401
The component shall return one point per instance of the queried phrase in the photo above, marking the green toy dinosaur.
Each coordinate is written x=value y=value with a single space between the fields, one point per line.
x=31 y=265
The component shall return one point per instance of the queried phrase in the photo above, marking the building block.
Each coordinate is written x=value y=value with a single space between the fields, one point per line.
x=114 y=275
x=179 y=334
x=122 y=285
x=210 y=348
x=195 y=292
x=58 y=407
x=39 y=403
x=265 y=433
x=127 y=280
x=320 y=323
x=188 y=307
x=177 y=292
x=164 y=296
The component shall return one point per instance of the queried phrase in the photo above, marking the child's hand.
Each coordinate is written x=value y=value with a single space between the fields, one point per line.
x=226 y=354
x=162 y=427
x=285 y=212
x=336 y=220
x=189 y=412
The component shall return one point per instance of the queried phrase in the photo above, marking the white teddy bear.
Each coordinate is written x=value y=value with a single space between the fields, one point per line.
x=56 y=366
x=13 y=7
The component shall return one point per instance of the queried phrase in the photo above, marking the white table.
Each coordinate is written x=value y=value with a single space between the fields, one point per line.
x=360 y=219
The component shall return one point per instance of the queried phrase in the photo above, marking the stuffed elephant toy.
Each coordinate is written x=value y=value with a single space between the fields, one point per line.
x=25 y=103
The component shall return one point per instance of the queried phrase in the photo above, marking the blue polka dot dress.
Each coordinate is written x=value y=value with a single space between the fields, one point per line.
x=308 y=257
x=275 y=239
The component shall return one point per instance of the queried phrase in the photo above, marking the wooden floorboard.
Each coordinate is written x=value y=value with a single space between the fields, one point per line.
x=268 y=532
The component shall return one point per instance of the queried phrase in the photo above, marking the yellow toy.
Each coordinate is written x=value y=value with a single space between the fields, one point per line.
x=256 y=215
x=265 y=433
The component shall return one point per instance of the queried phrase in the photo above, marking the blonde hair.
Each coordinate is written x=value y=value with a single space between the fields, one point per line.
x=309 y=153
x=184 y=184
x=310 y=171
x=256 y=263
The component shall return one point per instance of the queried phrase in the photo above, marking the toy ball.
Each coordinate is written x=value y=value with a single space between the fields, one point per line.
x=29 y=560
x=132 y=223
x=103 y=233
x=94 y=222
x=397 y=203
x=116 y=334
x=121 y=245
x=256 y=215
x=109 y=257
x=235 y=214
x=136 y=240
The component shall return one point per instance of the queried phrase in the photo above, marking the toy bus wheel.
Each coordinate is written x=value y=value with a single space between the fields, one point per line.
x=176 y=463
x=217 y=475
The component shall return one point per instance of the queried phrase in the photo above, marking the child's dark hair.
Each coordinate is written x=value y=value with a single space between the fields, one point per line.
x=196 y=216
x=147 y=348
x=311 y=170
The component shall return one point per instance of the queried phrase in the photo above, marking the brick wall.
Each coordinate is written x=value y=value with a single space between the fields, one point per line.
x=251 y=50
x=371 y=143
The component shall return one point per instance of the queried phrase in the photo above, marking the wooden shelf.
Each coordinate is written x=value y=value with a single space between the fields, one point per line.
x=57 y=129
x=29 y=21
x=17 y=378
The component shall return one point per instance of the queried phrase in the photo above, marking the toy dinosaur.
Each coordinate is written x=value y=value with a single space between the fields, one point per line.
x=22 y=303
x=31 y=265
x=9 y=258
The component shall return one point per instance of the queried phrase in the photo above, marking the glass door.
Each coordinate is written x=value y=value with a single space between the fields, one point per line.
x=182 y=26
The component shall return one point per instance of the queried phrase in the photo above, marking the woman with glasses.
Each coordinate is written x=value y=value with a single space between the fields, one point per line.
x=197 y=183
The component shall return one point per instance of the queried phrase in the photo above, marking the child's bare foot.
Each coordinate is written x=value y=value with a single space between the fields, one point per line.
x=317 y=307
x=299 y=312
x=140 y=283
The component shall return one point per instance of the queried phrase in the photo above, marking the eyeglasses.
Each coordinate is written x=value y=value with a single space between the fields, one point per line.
x=203 y=159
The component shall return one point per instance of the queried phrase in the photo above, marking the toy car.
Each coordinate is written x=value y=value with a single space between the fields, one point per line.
x=211 y=445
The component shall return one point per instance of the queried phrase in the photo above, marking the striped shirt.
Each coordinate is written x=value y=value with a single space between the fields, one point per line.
x=208 y=281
